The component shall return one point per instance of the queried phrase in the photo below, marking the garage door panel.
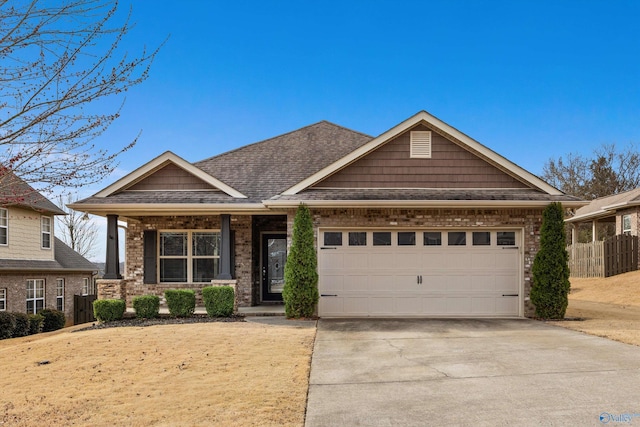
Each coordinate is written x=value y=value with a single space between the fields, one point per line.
x=442 y=280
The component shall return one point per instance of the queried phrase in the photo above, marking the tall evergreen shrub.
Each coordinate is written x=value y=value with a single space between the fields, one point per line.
x=550 y=290
x=300 y=293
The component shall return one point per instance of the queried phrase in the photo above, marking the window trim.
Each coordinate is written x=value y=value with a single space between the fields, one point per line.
x=35 y=298
x=44 y=232
x=4 y=219
x=3 y=299
x=59 y=296
x=626 y=230
x=189 y=257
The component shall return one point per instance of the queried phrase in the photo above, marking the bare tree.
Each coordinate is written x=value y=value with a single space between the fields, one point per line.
x=610 y=171
x=59 y=60
x=76 y=229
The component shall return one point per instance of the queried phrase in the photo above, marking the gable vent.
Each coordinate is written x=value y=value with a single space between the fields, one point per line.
x=421 y=144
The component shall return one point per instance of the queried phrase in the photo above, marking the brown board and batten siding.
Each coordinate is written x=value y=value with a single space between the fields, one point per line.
x=171 y=177
x=450 y=166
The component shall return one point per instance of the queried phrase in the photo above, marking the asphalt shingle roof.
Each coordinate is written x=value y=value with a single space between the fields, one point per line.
x=598 y=204
x=16 y=192
x=264 y=169
x=66 y=259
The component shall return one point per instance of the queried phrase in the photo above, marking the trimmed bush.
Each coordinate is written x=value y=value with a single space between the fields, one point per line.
x=22 y=324
x=218 y=300
x=300 y=293
x=550 y=289
x=35 y=323
x=146 y=306
x=53 y=319
x=181 y=302
x=7 y=324
x=108 y=310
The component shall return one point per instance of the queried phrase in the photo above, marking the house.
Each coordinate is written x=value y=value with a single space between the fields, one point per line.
x=421 y=220
x=617 y=214
x=37 y=270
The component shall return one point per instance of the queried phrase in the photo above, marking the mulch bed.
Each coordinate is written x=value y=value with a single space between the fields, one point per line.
x=161 y=320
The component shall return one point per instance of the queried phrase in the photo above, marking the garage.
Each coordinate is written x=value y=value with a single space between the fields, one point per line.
x=420 y=272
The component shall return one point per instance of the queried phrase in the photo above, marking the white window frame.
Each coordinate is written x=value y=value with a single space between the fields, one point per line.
x=60 y=294
x=85 y=286
x=189 y=256
x=4 y=225
x=32 y=284
x=3 y=299
x=625 y=229
x=46 y=226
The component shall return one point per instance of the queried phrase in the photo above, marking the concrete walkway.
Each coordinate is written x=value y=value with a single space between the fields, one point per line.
x=469 y=373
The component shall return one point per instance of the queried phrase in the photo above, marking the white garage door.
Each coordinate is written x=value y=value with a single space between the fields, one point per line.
x=454 y=273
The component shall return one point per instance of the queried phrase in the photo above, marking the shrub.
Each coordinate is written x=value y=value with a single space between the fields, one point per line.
x=7 y=324
x=550 y=289
x=35 y=323
x=218 y=300
x=147 y=306
x=53 y=319
x=181 y=302
x=22 y=324
x=300 y=293
x=108 y=310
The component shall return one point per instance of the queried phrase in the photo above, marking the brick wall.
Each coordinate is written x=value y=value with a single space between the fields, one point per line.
x=529 y=220
x=16 y=285
x=134 y=270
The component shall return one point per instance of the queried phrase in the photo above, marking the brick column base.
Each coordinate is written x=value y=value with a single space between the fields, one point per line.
x=112 y=289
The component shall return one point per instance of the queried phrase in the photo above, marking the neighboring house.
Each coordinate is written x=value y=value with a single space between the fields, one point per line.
x=618 y=212
x=419 y=221
x=37 y=270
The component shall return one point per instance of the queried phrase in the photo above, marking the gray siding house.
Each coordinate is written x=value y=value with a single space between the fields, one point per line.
x=419 y=221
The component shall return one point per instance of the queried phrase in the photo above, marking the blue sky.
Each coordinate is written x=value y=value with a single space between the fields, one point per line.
x=529 y=79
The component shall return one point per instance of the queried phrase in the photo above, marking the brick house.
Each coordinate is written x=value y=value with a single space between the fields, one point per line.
x=37 y=270
x=421 y=220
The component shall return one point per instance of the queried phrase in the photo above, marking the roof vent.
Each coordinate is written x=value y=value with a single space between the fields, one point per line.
x=421 y=144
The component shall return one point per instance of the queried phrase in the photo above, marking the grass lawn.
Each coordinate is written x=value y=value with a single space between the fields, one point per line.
x=227 y=374
x=607 y=307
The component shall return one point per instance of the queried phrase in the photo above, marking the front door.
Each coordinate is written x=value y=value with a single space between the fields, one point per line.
x=274 y=256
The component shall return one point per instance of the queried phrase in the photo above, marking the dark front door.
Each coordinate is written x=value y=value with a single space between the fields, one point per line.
x=274 y=255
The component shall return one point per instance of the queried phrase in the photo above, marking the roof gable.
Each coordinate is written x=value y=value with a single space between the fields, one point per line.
x=14 y=191
x=607 y=206
x=448 y=166
x=425 y=119
x=169 y=172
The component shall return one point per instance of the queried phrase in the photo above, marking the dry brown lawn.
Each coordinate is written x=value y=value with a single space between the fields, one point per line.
x=227 y=374
x=606 y=307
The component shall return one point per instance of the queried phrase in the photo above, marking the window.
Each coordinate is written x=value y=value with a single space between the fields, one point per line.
x=381 y=238
x=4 y=227
x=432 y=238
x=85 y=286
x=35 y=295
x=3 y=299
x=189 y=256
x=406 y=238
x=46 y=232
x=60 y=294
x=332 y=238
x=457 y=238
x=506 y=238
x=481 y=238
x=420 y=144
x=626 y=224
x=357 y=238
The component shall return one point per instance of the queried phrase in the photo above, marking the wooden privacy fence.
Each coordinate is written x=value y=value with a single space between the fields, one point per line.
x=616 y=255
x=586 y=259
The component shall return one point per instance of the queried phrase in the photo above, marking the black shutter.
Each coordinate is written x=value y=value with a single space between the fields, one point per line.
x=150 y=256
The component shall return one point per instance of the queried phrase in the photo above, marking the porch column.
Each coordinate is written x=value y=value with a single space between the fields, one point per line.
x=225 y=250
x=573 y=234
x=594 y=231
x=112 y=263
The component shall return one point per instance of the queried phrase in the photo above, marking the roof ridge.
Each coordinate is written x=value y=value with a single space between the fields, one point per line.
x=280 y=136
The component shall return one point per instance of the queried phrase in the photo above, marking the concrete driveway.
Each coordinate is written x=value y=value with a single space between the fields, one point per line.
x=469 y=372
